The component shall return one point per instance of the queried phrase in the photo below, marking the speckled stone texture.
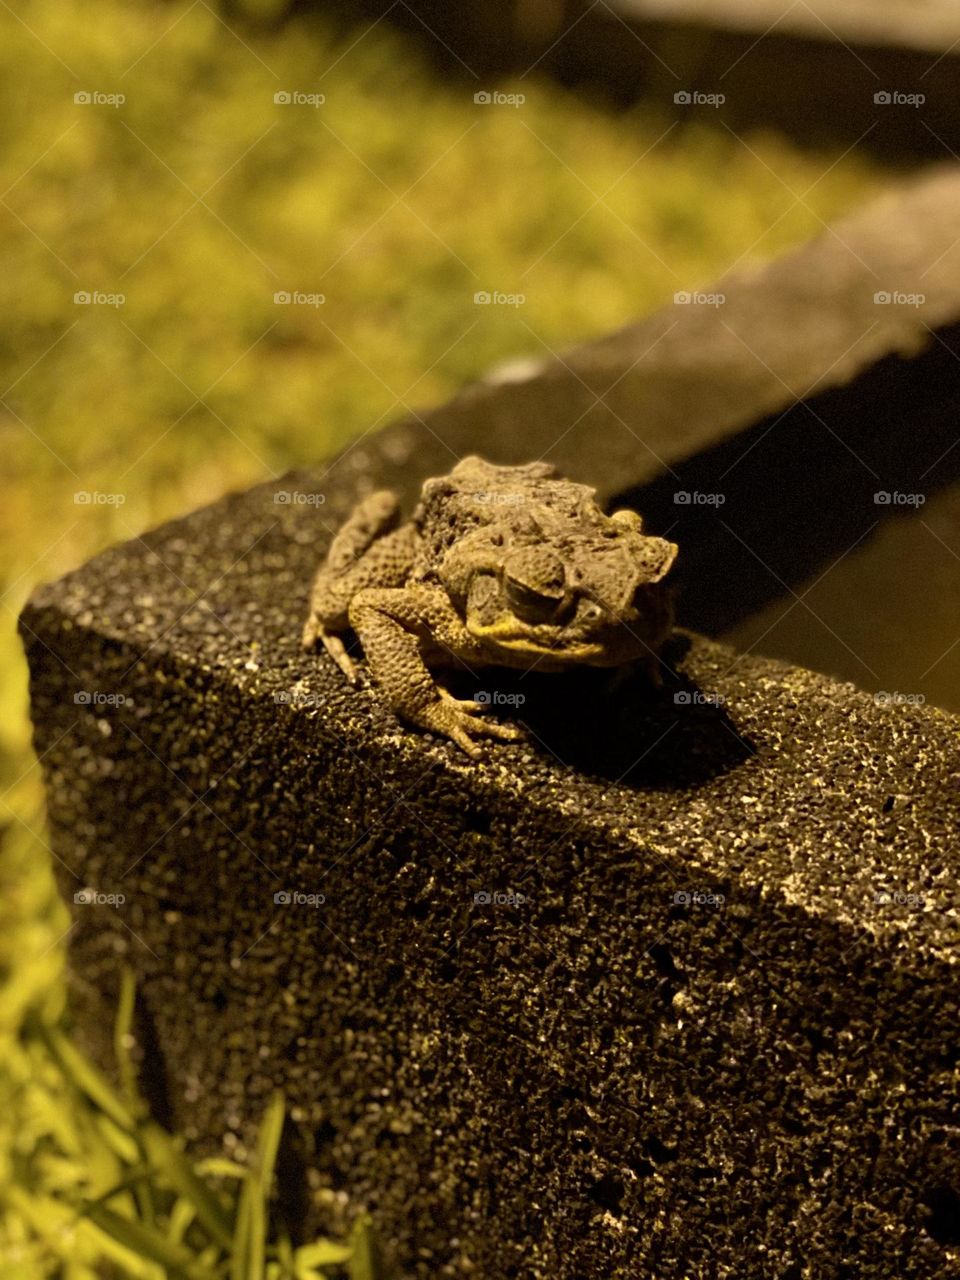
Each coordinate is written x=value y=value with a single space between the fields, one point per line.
x=709 y=1028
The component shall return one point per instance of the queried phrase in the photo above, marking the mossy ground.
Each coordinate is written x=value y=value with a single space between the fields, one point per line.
x=200 y=198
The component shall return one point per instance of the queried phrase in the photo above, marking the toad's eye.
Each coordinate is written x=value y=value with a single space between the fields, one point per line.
x=534 y=584
x=626 y=521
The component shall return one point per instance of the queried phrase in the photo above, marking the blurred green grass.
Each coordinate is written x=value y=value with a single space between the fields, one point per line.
x=198 y=199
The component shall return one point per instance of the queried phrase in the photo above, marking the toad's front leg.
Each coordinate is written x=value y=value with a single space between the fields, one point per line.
x=370 y=550
x=395 y=627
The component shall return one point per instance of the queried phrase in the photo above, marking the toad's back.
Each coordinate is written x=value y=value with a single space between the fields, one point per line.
x=478 y=493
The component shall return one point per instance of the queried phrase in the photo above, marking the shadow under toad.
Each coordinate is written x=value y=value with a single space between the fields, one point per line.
x=617 y=725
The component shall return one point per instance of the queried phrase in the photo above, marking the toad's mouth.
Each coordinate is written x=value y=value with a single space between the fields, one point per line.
x=552 y=643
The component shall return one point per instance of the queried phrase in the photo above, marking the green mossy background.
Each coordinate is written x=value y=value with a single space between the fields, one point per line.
x=198 y=199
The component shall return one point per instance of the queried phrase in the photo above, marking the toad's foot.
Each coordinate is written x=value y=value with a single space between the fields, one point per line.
x=457 y=721
x=395 y=627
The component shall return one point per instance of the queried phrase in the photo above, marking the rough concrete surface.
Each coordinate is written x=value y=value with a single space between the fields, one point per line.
x=612 y=1074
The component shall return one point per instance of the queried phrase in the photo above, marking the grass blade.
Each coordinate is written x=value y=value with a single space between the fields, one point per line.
x=219 y=1167
x=268 y=1141
x=122 y=1032
x=363 y=1264
x=264 y=1162
x=322 y=1253
x=85 y=1077
x=169 y=1161
x=146 y=1242
x=241 y=1232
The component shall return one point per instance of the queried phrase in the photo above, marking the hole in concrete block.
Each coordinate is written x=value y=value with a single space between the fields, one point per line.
x=477 y=820
x=661 y=957
x=323 y=1135
x=551 y=916
x=943 y=1223
x=659 y=1152
x=607 y=1192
